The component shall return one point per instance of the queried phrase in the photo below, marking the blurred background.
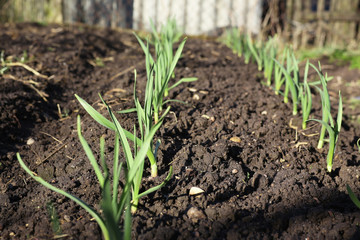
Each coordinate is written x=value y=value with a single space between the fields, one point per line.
x=302 y=23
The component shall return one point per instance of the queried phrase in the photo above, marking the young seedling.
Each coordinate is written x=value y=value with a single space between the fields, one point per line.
x=290 y=82
x=113 y=203
x=145 y=116
x=169 y=32
x=246 y=49
x=333 y=130
x=256 y=52
x=291 y=76
x=110 y=125
x=269 y=53
x=144 y=120
x=279 y=78
x=164 y=43
x=54 y=218
x=305 y=97
x=325 y=104
x=161 y=75
x=234 y=40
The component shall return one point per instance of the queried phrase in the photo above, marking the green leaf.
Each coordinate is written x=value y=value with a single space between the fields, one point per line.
x=291 y=85
x=352 y=196
x=153 y=189
x=339 y=115
x=127 y=218
x=183 y=80
x=130 y=110
x=92 y=212
x=95 y=114
x=109 y=212
x=107 y=123
x=89 y=154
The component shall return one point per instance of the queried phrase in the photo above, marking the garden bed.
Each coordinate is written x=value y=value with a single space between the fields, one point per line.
x=262 y=176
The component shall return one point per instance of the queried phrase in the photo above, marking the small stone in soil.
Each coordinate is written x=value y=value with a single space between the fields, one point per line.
x=195 y=214
x=196 y=97
x=192 y=89
x=30 y=141
x=195 y=191
x=235 y=139
x=67 y=218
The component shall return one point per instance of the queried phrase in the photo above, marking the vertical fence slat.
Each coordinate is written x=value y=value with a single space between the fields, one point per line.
x=192 y=16
x=238 y=15
x=320 y=36
x=297 y=23
x=334 y=22
x=207 y=16
x=148 y=12
x=289 y=17
x=69 y=11
x=164 y=6
x=346 y=30
x=137 y=17
x=306 y=10
x=223 y=9
x=328 y=24
x=253 y=16
x=195 y=16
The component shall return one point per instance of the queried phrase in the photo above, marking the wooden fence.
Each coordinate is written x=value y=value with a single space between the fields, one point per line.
x=194 y=17
x=107 y=13
x=302 y=22
x=322 y=22
x=200 y=16
x=30 y=10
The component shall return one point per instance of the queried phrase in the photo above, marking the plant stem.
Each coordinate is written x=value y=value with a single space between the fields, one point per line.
x=330 y=155
x=322 y=134
x=156 y=117
x=134 y=205
x=304 y=125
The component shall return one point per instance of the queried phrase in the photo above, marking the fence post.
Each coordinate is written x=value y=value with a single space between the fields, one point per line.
x=344 y=30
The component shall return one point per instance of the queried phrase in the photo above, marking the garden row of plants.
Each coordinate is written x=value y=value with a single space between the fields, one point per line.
x=282 y=73
x=120 y=198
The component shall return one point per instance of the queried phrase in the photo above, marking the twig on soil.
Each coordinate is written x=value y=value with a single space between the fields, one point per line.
x=70 y=157
x=9 y=76
x=60 y=236
x=115 y=90
x=122 y=72
x=296 y=130
x=41 y=93
x=174 y=115
x=37 y=155
x=50 y=155
x=112 y=103
x=61 y=115
x=300 y=144
x=310 y=134
x=47 y=134
x=4 y=187
x=29 y=83
x=19 y=64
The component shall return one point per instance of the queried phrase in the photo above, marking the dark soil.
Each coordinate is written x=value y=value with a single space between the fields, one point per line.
x=263 y=177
